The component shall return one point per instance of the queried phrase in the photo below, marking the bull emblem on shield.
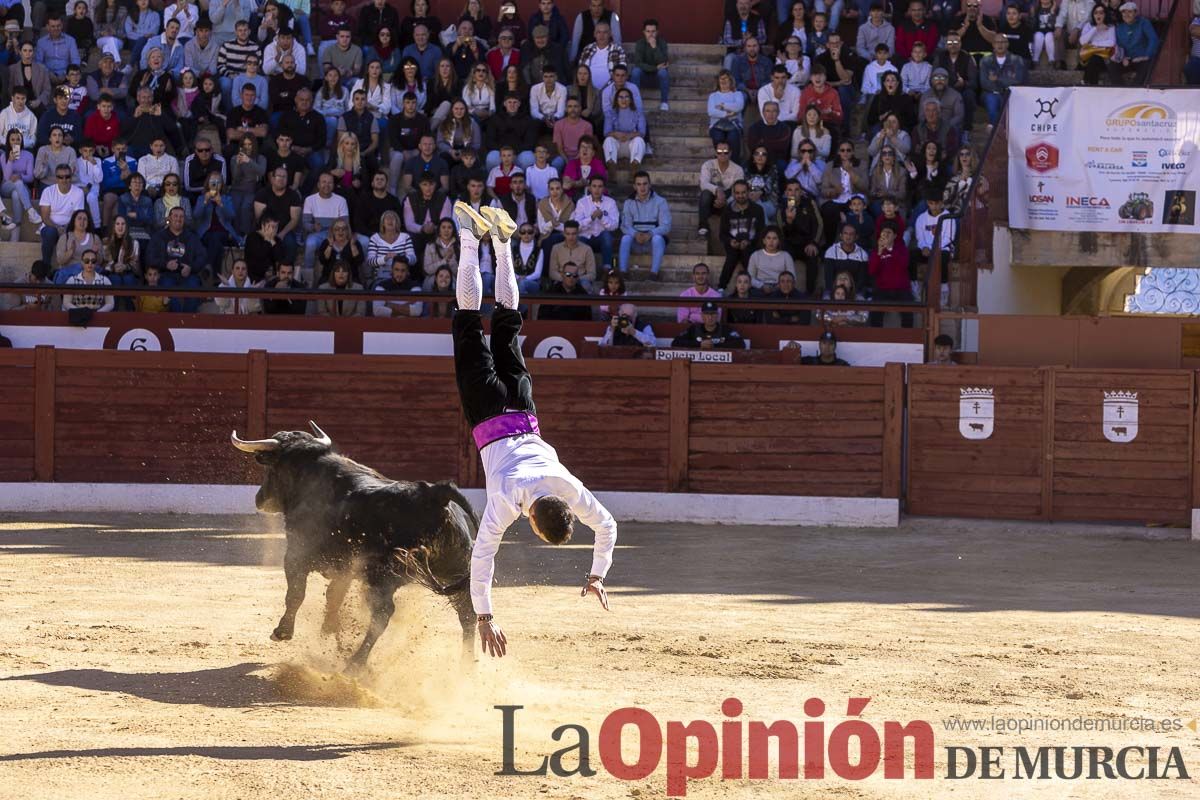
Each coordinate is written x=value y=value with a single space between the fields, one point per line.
x=1120 y=418
x=976 y=412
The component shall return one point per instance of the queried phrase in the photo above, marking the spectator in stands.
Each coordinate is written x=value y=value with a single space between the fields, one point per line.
x=890 y=134
x=826 y=353
x=400 y=283
x=710 y=333
x=725 y=107
x=700 y=288
x=846 y=255
x=743 y=290
x=16 y=164
x=599 y=220
x=1014 y=26
x=39 y=273
x=590 y=105
x=614 y=286
x=340 y=280
x=931 y=174
x=441 y=253
x=568 y=132
x=800 y=228
x=857 y=214
x=321 y=209
x=58 y=203
x=1068 y=25
x=549 y=17
x=120 y=258
x=56 y=50
x=915 y=75
x=571 y=251
x=915 y=28
x=1191 y=69
x=181 y=252
x=888 y=179
x=88 y=276
x=972 y=28
x=875 y=31
x=1097 y=47
x=580 y=169
x=651 y=60
x=214 y=215
x=772 y=136
x=841 y=180
x=928 y=240
x=511 y=127
x=626 y=330
x=890 y=100
x=943 y=350
x=788 y=315
x=1043 y=19
x=717 y=177
x=751 y=70
x=17 y=116
x=284 y=279
x=554 y=210
x=198 y=166
x=781 y=92
x=34 y=77
x=769 y=262
x=763 y=178
x=586 y=23
x=548 y=99
x=390 y=240
x=1139 y=45
x=443 y=283
x=888 y=267
x=137 y=207
x=791 y=24
x=843 y=290
x=935 y=128
x=264 y=250
x=742 y=224
x=998 y=73
x=602 y=55
x=624 y=132
x=951 y=111
x=504 y=54
x=239 y=278
x=645 y=225
x=962 y=178
x=479 y=93
x=843 y=72
x=71 y=245
x=568 y=285
x=873 y=73
x=517 y=201
x=791 y=57
x=962 y=77
x=820 y=94
x=741 y=25
x=527 y=258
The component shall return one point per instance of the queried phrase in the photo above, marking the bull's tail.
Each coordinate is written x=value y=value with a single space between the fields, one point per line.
x=445 y=492
x=414 y=564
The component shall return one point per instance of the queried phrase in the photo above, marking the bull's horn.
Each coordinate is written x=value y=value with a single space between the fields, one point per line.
x=253 y=445
x=321 y=436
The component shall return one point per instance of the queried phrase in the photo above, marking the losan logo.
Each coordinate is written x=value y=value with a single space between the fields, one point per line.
x=1041 y=199
x=1087 y=202
x=1041 y=157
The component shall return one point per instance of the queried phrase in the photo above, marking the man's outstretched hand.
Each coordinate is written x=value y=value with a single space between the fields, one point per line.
x=595 y=586
x=492 y=639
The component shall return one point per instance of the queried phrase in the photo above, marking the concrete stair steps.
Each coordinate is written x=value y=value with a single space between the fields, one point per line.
x=681 y=103
x=1055 y=77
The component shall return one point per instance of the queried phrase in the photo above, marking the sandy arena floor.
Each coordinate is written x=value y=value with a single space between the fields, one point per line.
x=135 y=660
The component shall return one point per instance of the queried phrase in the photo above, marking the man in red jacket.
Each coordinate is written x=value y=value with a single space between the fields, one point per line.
x=102 y=126
x=824 y=96
x=916 y=28
x=888 y=267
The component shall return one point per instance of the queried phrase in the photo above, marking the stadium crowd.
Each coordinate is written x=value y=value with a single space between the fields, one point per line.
x=285 y=144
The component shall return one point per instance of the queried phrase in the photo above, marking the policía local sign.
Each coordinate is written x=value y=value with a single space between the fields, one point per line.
x=1104 y=160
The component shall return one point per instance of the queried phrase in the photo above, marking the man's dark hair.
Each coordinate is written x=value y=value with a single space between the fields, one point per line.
x=650 y=21
x=40 y=270
x=943 y=340
x=549 y=70
x=890 y=225
x=641 y=173
x=203 y=25
x=553 y=518
x=573 y=224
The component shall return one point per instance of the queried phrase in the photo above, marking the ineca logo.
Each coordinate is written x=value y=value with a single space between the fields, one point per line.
x=1087 y=202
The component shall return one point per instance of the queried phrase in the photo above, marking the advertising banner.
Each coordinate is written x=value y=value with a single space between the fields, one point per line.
x=1103 y=159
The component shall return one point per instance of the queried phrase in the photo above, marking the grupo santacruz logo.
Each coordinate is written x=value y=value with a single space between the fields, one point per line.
x=813 y=749
x=1142 y=116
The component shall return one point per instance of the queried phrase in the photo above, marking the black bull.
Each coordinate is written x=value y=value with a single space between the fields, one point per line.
x=346 y=521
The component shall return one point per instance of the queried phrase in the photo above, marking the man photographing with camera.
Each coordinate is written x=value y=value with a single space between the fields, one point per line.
x=624 y=330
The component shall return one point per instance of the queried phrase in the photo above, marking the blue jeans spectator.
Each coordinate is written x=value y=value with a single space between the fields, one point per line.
x=732 y=137
x=49 y=235
x=186 y=305
x=602 y=246
x=302 y=22
x=833 y=10
x=994 y=103
x=1191 y=71
x=524 y=160
x=311 y=242
x=657 y=247
x=124 y=279
x=661 y=77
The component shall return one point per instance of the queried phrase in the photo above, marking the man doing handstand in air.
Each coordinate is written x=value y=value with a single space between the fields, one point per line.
x=523 y=472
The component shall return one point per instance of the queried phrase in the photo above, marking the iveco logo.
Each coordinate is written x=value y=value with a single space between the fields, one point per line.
x=1176 y=165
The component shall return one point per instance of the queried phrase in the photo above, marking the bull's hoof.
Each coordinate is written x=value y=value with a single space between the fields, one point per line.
x=329 y=628
x=280 y=635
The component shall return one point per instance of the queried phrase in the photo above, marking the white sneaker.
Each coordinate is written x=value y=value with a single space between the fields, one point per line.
x=34 y=216
x=664 y=106
x=6 y=222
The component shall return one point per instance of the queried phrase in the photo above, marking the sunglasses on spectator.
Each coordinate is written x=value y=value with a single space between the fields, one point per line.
x=88 y=261
x=570 y=274
x=845 y=149
x=63 y=176
x=481 y=70
x=203 y=149
x=722 y=152
x=527 y=232
x=808 y=150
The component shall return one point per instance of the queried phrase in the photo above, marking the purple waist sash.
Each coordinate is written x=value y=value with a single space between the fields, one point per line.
x=502 y=426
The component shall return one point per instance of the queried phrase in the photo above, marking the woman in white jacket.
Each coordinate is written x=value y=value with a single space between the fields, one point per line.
x=1097 y=46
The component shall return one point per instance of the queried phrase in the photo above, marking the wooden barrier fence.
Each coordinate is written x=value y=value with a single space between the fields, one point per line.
x=1032 y=443
x=162 y=417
